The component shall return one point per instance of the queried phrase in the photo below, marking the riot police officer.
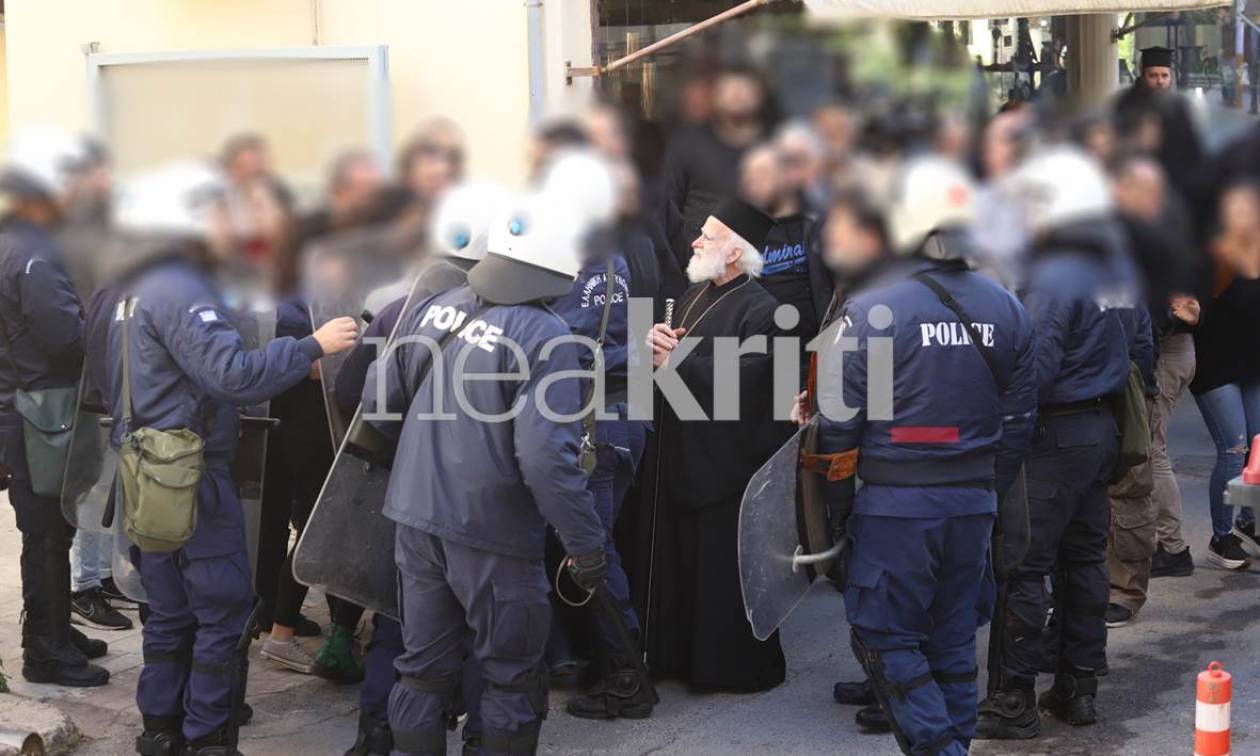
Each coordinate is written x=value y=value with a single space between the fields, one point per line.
x=1079 y=292
x=597 y=308
x=41 y=335
x=459 y=235
x=488 y=456
x=188 y=368
x=933 y=457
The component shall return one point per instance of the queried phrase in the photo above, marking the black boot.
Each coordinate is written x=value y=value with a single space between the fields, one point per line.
x=92 y=648
x=49 y=655
x=214 y=744
x=374 y=738
x=162 y=736
x=872 y=720
x=1072 y=697
x=1010 y=714
x=621 y=694
x=854 y=693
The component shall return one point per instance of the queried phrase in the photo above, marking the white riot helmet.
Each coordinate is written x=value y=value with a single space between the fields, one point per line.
x=175 y=200
x=583 y=182
x=42 y=161
x=931 y=194
x=533 y=252
x=1058 y=186
x=462 y=221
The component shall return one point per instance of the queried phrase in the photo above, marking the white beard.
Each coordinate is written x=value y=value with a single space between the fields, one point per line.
x=703 y=268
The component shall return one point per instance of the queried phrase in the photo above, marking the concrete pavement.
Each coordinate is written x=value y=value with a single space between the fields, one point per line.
x=1147 y=702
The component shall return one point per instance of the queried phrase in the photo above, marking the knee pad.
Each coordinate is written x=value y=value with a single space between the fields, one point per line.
x=432 y=740
x=374 y=739
x=534 y=686
x=447 y=689
x=522 y=743
x=887 y=692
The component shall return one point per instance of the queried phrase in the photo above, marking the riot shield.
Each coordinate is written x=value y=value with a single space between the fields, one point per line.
x=347 y=548
x=126 y=576
x=343 y=277
x=256 y=323
x=773 y=572
x=90 y=465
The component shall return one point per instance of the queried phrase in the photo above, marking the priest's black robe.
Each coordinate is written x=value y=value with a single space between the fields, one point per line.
x=696 y=628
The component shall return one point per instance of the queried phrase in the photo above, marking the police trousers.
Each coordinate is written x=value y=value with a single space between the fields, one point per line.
x=46 y=540
x=918 y=589
x=620 y=447
x=453 y=598
x=1068 y=469
x=198 y=608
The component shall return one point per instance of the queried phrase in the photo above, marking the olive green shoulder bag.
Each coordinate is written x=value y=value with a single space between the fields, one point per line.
x=158 y=471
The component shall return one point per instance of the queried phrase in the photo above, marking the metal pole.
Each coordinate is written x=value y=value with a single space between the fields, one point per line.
x=690 y=31
x=1255 y=71
x=537 y=62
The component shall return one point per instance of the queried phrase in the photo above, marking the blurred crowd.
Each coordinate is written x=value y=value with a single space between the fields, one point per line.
x=820 y=204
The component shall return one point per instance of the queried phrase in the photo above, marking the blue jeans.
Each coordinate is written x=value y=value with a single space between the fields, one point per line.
x=91 y=559
x=1232 y=415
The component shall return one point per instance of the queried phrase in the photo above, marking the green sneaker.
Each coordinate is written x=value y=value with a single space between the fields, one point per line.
x=335 y=660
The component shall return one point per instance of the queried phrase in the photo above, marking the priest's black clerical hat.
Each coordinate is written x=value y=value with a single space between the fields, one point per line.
x=744 y=219
x=1157 y=56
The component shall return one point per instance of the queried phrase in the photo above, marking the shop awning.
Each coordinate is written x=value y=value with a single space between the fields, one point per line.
x=959 y=9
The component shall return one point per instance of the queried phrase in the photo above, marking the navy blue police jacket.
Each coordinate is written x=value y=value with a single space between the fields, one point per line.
x=482 y=462
x=190 y=369
x=1080 y=291
x=952 y=420
x=583 y=309
x=41 y=318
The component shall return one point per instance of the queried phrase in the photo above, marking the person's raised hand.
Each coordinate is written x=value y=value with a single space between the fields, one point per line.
x=337 y=335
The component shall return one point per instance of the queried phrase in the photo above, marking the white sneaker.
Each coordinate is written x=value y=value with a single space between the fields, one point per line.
x=287 y=654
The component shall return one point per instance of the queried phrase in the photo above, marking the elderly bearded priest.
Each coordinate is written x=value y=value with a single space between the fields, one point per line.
x=697 y=629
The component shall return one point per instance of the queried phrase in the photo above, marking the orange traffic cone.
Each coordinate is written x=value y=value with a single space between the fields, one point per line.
x=1211 y=712
x=1251 y=473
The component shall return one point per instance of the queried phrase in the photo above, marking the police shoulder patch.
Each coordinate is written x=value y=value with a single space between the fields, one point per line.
x=206 y=312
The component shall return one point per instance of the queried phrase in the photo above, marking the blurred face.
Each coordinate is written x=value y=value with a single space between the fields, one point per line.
x=604 y=130
x=836 y=129
x=358 y=185
x=221 y=237
x=1157 y=77
x=1000 y=148
x=714 y=252
x=1240 y=210
x=627 y=189
x=1139 y=191
x=800 y=162
x=93 y=184
x=1100 y=140
x=737 y=100
x=761 y=178
x=249 y=164
x=953 y=139
x=1238 y=243
x=848 y=247
x=437 y=164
